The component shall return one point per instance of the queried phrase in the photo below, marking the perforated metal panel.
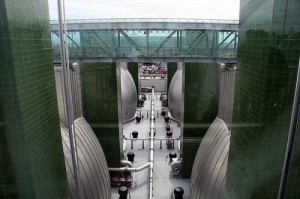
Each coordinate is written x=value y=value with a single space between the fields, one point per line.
x=175 y=96
x=92 y=163
x=210 y=165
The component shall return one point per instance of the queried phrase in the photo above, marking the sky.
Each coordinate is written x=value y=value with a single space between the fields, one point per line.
x=199 y=9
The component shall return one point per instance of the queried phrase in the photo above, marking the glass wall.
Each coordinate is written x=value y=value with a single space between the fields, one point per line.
x=148 y=43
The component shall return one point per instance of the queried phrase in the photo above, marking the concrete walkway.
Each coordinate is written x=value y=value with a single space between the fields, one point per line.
x=163 y=183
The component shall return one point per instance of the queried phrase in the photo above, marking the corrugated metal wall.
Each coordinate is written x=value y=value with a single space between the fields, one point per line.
x=128 y=94
x=175 y=96
x=76 y=92
x=92 y=163
x=226 y=93
x=210 y=164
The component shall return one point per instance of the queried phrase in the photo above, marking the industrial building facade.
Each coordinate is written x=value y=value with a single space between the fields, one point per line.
x=32 y=164
x=31 y=152
x=268 y=59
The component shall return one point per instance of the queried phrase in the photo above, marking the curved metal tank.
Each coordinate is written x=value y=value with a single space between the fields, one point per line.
x=94 y=173
x=175 y=96
x=128 y=94
x=210 y=164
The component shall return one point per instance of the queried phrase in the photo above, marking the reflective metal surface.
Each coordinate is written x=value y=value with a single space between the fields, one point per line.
x=92 y=163
x=210 y=164
x=76 y=91
x=226 y=92
x=128 y=94
x=175 y=96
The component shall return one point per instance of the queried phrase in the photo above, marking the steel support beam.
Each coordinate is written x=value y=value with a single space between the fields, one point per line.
x=106 y=45
x=131 y=41
x=143 y=24
x=207 y=37
x=153 y=59
x=70 y=38
x=164 y=42
x=193 y=44
x=74 y=42
x=224 y=40
x=227 y=45
x=56 y=33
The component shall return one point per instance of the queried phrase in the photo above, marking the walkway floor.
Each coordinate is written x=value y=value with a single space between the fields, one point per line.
x=163 y=184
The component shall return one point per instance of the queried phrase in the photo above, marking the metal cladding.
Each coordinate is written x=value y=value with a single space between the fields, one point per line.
x=175 y=95
x=210 y=164
x=76 y=91
x=226 y=92
x=93 y=168
x=129 y=95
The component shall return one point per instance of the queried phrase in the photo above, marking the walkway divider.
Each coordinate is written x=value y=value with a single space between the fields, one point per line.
x=152 y=119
